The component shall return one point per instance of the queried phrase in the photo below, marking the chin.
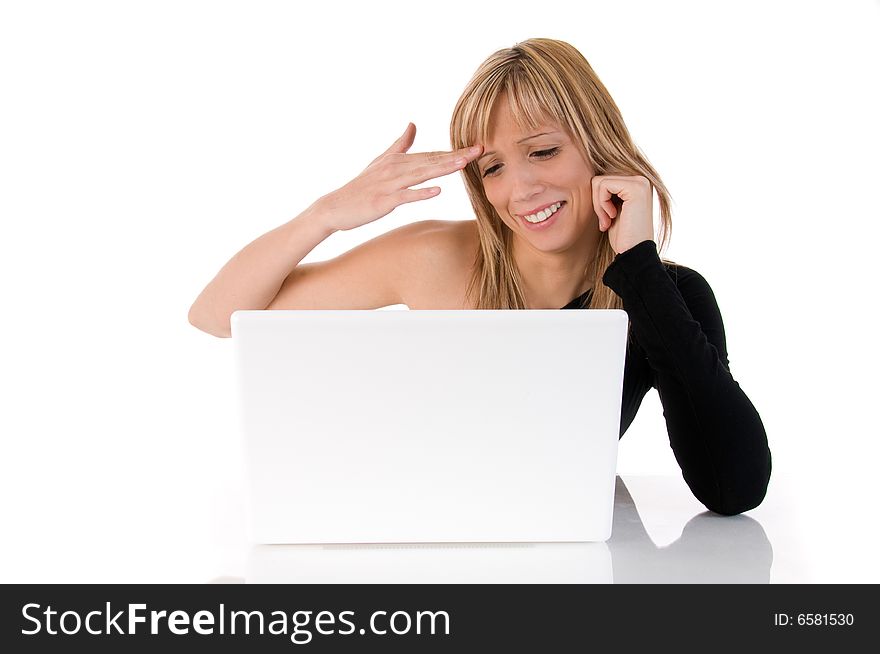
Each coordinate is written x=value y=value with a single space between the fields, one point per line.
x=558 y=238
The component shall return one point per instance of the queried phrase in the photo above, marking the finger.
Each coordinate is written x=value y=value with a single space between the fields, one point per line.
x=433 y=157
x=427 y=172
x=405 y=141
x=415 y=194
x=602 y=194
x=438 y=164
x=441 y=157
x=601 y=214
x=605 y=198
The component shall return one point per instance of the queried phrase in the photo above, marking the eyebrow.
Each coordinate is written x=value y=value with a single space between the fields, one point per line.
x=528 y=138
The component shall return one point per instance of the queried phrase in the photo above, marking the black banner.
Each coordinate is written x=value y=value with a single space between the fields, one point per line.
x=429 y=618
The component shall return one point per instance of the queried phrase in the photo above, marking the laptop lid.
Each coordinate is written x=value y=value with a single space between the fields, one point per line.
x=430 y=425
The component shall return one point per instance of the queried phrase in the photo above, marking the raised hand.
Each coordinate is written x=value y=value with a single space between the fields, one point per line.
x=628 y=218
x=385 y=183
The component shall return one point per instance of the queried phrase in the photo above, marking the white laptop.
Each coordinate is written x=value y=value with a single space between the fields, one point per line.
x=430 y=425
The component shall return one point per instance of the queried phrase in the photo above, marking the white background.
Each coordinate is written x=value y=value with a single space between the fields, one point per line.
x=143 y=143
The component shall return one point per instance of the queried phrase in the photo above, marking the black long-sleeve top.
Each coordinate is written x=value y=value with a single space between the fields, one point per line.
x=677 y=345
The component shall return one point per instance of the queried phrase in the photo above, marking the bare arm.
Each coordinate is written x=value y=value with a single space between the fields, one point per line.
x=252 y=278
x=267 y=273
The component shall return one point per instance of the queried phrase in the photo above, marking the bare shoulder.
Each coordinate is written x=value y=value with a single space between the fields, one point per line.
x=424 y=265
x=446 y=252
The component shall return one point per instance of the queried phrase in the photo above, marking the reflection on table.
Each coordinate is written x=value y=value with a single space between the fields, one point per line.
x=711 y=549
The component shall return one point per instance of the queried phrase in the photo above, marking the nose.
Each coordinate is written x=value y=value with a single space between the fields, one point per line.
x=525 y=183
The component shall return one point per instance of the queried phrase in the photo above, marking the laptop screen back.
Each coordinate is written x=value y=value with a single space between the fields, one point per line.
x=430 y=426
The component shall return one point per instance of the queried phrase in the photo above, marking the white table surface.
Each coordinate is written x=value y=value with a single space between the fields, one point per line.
x=169 y=531
x=710 y=548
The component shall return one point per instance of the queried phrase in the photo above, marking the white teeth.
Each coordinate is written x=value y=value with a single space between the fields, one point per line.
x=541 y=216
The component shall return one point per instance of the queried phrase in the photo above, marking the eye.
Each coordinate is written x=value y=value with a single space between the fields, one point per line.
x=546 y=154
x=540 y=154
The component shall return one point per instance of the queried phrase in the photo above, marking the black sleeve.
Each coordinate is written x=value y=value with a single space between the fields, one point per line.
x=715 y=432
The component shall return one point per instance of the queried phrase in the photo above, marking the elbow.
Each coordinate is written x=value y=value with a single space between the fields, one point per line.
x=743 y=491
x=198 y=320
x=729 y=506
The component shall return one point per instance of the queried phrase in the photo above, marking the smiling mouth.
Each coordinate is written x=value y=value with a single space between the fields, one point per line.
x=544 y=214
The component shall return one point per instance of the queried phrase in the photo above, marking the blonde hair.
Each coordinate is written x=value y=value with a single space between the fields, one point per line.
x=544 y=80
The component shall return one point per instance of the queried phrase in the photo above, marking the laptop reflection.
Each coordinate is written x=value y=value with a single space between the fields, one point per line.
x=711 y=549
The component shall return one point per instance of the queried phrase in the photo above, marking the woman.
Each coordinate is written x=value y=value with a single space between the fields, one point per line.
x=563 y=202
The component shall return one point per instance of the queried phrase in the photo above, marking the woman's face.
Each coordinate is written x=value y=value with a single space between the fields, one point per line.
x=537 y=172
